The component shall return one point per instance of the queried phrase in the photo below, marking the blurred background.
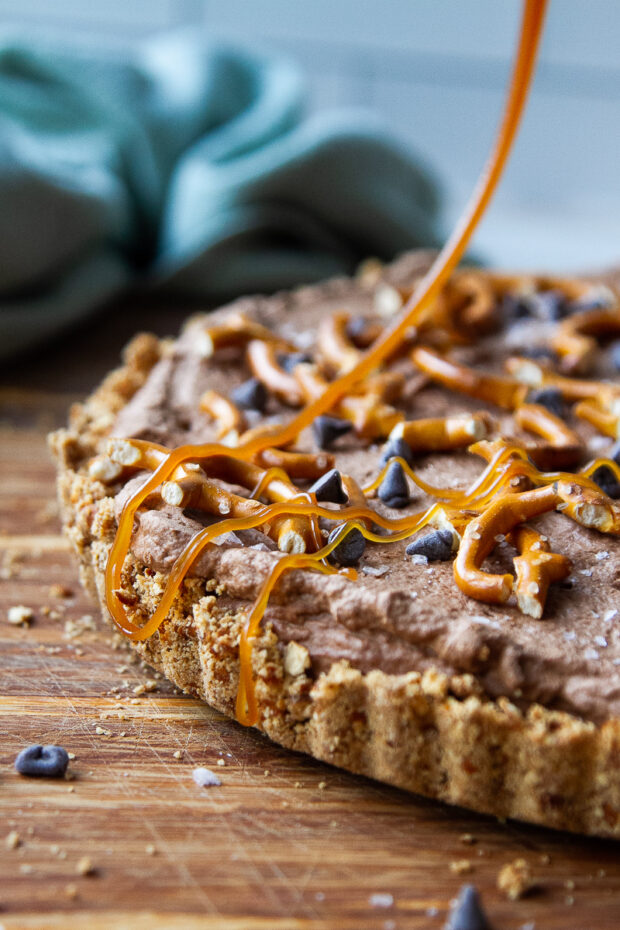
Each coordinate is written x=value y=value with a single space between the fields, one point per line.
x=436 y=71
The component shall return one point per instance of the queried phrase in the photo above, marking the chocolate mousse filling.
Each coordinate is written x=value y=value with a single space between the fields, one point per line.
x=402 y=613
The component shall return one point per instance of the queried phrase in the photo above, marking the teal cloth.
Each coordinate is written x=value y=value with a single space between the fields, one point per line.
x=185 y=166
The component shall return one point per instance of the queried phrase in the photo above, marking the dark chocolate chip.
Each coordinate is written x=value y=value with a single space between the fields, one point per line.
x=251 y=395
x=516 y=307
x=289 y=360
x=329 y=488
x=549 y=305
x=42 y=761
x=551 y=398
x=615 y=355
x=394 y=490
x=436 y=546
x=467 y=913
x=356 y=327
x=327 y=429
x=606 y=480
x=538 y=352
x=397 y=447
x=596 y=300
x=350 y=550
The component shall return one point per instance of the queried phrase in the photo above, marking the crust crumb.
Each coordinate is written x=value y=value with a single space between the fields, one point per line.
x=515 y=879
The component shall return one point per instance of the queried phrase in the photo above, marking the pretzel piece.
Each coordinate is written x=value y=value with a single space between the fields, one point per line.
x=441 y=434
x=575 y=339
x=530 y=372
x=236 y=332
x=371 y=418
x=536 y=567
x=261 y=357
x=200 y=492
x=563 y=448
x=230 y=420
x=495 y=389
x=479 y=539
x=603 y=413
x=304 y=465
x=588 y=505
x=335 y=347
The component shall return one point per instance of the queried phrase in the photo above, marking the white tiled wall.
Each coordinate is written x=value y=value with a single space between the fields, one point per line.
x=436 y=71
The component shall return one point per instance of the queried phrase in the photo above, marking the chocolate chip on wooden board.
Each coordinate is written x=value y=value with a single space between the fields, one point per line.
x=42 y=761
x=467 y=913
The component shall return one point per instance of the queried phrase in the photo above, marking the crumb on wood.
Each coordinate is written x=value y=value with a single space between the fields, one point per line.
x=85 y=866
x=71 y=891
x=20 y=615
x=76 y=628
x=461 y=866
x=13 y=840
x=515 y=879
x=11 y=563
x=60 y=590
x=468 y=838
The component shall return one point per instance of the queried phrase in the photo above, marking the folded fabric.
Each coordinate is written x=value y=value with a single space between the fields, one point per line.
x=187 y=166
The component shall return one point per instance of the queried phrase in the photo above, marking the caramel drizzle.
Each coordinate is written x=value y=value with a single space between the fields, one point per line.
x=416 y=312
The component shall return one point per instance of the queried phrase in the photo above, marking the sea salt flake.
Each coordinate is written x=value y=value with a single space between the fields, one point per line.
x=375 y=572
x=486 y=621
x=600 y=640
x=591 y=654
x=418 y=559
x=586 y=571
x=610 y=615
x=602 y=555
x=570 y=635
x=205 y=778
x=381 y=899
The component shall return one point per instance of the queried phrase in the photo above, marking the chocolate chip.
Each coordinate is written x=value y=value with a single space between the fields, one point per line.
x=327 y=429
x=289 y=360
x=516 y=307
x=615 y=355
x=597 y=299
x=606 y=480
x=539 y=352
x=329 y=488
x=436 y=546
x=350 y=550
x=251 y=395
x=549 y=305
x=356 y=327
x=394 y=490
x=467 y=913
x=397 y=447
x=42 y=761
x=551 y=398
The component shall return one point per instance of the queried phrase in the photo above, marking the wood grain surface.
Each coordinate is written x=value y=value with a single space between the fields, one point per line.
x=285 y=843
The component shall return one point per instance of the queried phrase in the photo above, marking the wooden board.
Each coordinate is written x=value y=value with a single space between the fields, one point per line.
x=284 y=843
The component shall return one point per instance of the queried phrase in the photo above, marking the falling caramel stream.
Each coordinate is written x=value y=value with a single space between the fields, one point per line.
x=417 y=310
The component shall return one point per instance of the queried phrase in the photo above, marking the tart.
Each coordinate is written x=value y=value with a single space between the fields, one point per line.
x=458 y=634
